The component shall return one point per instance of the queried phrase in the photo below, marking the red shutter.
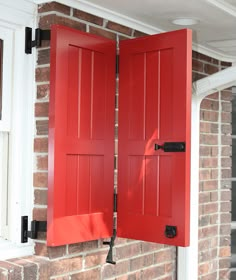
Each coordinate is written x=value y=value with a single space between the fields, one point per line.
x=154 y=108
x=81 y=137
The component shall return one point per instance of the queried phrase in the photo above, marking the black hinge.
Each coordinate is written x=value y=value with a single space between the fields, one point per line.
x=171 y=147
x=39 y=36
x=117 y=64
x=115 y=202
x=36 y=226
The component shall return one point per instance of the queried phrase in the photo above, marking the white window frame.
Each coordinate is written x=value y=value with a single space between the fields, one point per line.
x=18 y=93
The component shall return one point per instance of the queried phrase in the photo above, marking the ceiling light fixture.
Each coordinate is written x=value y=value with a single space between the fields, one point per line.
x=185 y=21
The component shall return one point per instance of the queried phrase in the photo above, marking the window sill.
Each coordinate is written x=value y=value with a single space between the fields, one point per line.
x=10 y=250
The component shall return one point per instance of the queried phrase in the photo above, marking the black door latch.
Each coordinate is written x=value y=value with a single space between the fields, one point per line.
x=171 y=147
x=171 y=231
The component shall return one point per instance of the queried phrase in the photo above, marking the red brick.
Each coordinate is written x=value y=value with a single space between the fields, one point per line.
x=56 y=252
x=208 y=139
x=41 y=249
x=208 y=231
x=226 y=95
x=13 y=271
x=153 y=272
x=204 y=197
x=207 y=255
x=225 y=195
x=141 y=261
x=225 y=252
x=208 y=162
x=225 y=218
x=83 y=247
x=127 y=251
x=226 y=151
x=40 y=214
x=209 y=185
x=164 y=256
x=214 y=95
x=43 y=91
x=40 y=179
x=54 y=6
x=226 y=106
x=41 y=109
x=225 y=229
x=214 y=196
x=203 y=268
x=209 y=127
x=226 y=117
x=209 y=115
x=226 y=129
x=210 y=69
x=139 y=34
x=197 y=65
x=224 y=274
x=40 y=145
x=95 y=259
x=43 y=56
x=226 y=140
x=46 y=21
x=203 y=57
x=119 y=28
x=204 y=221
x=224 y=263
x=150 y=247
x=211 y=276
x=225 y=206
x=214 y=219
x=40 y=197
x=42 y=127
x=209 y=104
x=204 y=174
x=226 y=173
x=42 y=163
x=225 y=241
x=42 y=74
x=102 y=32
x=69 y=265
x=87 y=17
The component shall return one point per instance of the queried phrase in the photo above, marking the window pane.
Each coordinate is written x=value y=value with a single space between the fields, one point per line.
x=1 y=55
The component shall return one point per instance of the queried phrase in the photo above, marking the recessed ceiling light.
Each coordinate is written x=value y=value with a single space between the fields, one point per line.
x=185 y=21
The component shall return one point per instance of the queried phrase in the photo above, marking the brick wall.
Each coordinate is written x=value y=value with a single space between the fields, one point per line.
x=135 y=259
x=215 y=171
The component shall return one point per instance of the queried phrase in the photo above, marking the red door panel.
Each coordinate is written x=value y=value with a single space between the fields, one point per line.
x=81 y=137
x=154 y=108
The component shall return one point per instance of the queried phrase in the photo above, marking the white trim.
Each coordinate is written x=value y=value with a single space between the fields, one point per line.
x=213 y=53
x=224 y=6
x=216 y=82
x=20 y=83
x=17 y=13
x=188 y=257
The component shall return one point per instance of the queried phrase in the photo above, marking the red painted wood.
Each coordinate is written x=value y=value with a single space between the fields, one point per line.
x=81 y=137
x=154 y=107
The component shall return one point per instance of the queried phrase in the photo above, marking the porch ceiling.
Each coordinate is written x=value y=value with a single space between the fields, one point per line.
x=216 y=19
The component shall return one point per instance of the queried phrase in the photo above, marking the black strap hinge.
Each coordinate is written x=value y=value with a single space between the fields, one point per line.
x=115 y=202
x=36 y=227
x=40 y=35
x=117 y=64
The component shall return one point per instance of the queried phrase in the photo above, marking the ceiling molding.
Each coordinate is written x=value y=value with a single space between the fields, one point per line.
x=17 y=13
x=215 y=82
x=137 y=25
x=224 y=6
